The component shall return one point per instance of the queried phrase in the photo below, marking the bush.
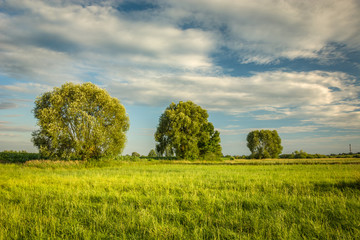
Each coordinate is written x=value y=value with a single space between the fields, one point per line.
x=211 y=156
x=152 y=153
x=18 y=156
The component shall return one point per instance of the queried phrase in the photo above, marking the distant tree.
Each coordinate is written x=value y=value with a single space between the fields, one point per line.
x=264 y=144
x=164 y=150
x=301 y=154
x=184 y=130
x=135 y=154
x=79 y=121
x=152 y=153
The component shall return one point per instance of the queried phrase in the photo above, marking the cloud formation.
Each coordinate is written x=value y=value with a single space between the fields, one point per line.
x=231 y=130
x=47 y=42
x=165 y=53
x=74 y=40
x=321 y=97
x=23 y=88
x=263 y=31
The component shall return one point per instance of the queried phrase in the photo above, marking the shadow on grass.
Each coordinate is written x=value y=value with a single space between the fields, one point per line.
x=323 y=187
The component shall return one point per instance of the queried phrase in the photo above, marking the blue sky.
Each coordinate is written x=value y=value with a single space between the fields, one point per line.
x=288 y=65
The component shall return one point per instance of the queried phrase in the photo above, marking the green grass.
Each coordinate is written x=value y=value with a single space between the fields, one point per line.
x=147 y=200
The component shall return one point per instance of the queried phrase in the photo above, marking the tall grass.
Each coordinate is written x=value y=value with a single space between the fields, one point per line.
x=163 y=201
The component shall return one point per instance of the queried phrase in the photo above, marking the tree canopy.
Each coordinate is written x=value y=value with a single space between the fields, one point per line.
x=184 y=130
x=152 y=153
x=79 y=121
x=264 y=144
x=135 y=154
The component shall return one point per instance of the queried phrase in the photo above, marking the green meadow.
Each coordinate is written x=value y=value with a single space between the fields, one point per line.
x=158 y=200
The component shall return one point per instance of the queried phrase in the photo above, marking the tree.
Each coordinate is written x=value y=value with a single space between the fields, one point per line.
x=264 y=144
x=135 y=154
x=184 y=130
x=79 y=121
x=300 y=154
x=152 y=153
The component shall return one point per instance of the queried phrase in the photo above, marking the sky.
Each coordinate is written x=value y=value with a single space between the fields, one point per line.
x=288 y=65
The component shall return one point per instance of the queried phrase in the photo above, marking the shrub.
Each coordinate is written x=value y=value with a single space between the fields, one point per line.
x=18 y=156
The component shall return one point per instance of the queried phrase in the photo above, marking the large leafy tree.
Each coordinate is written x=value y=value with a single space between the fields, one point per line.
x=79 y=121
x=264 y=144
x=184 y=129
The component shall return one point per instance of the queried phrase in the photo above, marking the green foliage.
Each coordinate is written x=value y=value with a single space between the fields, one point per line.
x=79 y=121
x=152 y=153
x=302 y=154
x=18 y=156
x=162 y=201
x=346 y=155
x=135 y=154
x=184 y=130
x=264 y=144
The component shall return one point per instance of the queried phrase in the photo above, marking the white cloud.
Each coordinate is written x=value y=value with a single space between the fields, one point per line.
x=285 y=129
x=35 y=88
x=328 y=98
x=149 y=59
x=58 y=43
x=232 y=126
x=54 y=42
x=263 y=31
x=297 y=129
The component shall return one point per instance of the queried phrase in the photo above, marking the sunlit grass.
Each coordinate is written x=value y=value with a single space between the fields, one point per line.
x=147 y=200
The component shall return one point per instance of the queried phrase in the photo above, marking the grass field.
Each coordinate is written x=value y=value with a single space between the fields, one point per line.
x=149 y=200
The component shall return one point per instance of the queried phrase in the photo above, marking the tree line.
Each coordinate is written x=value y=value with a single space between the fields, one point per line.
x=84 y=121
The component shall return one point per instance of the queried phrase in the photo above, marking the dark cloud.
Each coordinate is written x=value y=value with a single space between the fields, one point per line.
x=55 y=42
